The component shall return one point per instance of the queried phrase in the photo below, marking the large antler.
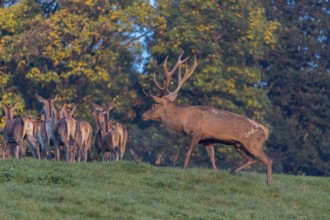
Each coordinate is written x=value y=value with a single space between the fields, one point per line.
x=168 y=74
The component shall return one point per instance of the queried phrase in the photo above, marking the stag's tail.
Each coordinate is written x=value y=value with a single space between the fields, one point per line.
x=266 y=131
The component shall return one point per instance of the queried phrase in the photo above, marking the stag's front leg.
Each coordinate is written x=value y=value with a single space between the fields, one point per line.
x=210 y=151
x=193 y=143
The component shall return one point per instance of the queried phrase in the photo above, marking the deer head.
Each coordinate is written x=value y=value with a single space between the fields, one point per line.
x=156 y=110
x=9 y=111
x=48 y=105
x=67 y=111
x=101 y=114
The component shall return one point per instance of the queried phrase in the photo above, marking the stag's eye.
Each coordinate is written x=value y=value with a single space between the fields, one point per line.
x=154 y=106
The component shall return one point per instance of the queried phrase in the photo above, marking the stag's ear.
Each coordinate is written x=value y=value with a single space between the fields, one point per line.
x=159 y=100
x=39 y=98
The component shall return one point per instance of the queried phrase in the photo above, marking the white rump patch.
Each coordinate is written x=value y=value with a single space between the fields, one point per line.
x=251 y=131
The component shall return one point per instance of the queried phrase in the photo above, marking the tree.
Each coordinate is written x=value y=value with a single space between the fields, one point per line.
x=298 y=76
x=84 y=51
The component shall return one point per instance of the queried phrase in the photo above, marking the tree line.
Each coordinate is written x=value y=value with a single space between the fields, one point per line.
x=263 y=60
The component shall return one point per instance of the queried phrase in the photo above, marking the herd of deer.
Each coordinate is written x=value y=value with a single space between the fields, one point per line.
x=204 y=125
x=70 y=137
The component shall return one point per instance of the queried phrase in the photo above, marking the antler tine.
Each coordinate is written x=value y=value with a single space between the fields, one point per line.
x=188 y=72
x=169 y=74
x=150 y=94
x=156 y=82
x=178 y=63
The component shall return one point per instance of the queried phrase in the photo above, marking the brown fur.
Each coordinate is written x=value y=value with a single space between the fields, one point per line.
x=100 y=121
x=45 y=136
x=83 y=140
x=65 y=133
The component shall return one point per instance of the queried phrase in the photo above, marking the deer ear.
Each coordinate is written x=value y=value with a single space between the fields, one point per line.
x=14 y=105
x=63 y=107
x=4 y=106
x=55 y=98
x=110 y=106
x=39 y=98
x=158 y=100
x=95 y=107
x=73 y=108
x=74 y=105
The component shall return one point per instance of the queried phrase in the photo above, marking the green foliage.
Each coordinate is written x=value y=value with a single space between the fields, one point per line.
x=126 y=190
x=298 y=74
x=83 y=51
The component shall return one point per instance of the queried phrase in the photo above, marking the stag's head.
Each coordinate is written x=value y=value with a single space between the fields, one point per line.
x=48 y=105
x=156 y=111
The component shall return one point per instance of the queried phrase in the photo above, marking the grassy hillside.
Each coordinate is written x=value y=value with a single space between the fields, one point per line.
x=32 y=189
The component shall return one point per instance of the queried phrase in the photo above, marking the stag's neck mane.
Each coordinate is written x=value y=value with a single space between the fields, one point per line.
x=173 y=117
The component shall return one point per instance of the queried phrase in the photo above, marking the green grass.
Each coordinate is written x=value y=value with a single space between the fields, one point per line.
x=32 y=189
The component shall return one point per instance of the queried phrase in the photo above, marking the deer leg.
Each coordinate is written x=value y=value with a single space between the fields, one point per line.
x=57 y=152
x=263 y=158
x=32 y=146
x=248 y=162
x=47 y=150
x=193 y=143
x=16 y=151
x=117 y=149
x=4 y=149
x=20 y=150
x=210 y=151
x=102 y=154
x=67 y=150
x=80 y=154
x=38 y=150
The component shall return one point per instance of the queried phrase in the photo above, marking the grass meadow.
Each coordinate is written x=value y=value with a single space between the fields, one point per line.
x=39 y=189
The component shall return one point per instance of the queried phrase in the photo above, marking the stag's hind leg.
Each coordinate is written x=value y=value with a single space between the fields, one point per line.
x=260 y=155
x=248 y=159
x=263 y=158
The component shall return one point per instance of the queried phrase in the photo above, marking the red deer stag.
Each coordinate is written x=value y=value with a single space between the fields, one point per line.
x=98 y=113
x=206 y=125
x=47 y=127
x=65 y=133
